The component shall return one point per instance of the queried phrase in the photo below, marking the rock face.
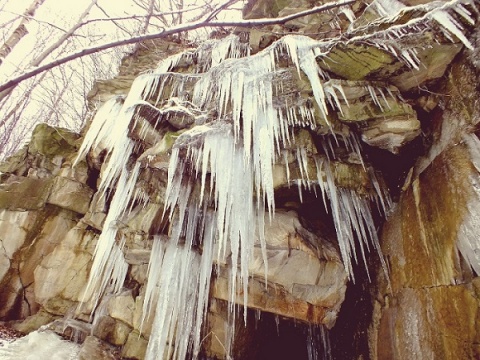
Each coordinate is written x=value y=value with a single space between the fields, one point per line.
x=248 y=177
x=431 y=241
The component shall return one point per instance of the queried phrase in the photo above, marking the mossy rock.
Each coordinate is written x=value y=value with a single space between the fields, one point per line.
x=14 y=162
x=264 y=9
x=358 y=62
x=367 y=110
x=23 y=193
x=35 y=321
x=51 y=141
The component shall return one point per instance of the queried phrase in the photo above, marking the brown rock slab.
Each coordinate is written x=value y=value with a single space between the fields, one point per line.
x=94 y=348
x=24 y=193
x=135 y=347
x=70 y=194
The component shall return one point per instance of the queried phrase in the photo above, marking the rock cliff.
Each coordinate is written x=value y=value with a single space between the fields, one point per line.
x=321 y=173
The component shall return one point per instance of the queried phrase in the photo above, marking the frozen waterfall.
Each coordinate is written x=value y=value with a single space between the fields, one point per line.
x=220 y=174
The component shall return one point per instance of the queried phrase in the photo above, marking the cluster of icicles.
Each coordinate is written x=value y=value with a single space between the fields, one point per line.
x=230 y=162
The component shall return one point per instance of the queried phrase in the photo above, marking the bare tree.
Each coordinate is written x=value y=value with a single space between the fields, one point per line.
x=44 y=85
x=167 y=32
x=20 y=31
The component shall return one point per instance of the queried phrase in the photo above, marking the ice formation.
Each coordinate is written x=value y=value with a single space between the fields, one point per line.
x=468 y=243
x=220 y=176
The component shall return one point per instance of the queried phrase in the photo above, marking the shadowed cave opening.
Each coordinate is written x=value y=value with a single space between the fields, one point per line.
x=278 y=338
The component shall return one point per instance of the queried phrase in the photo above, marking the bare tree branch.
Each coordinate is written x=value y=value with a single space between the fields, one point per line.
x=121 y=27
x=63 y=38
x=149 y=16
x=20 y=31
x=167 y=32
x=219 y=9
x=33 y=19
x=36 y=61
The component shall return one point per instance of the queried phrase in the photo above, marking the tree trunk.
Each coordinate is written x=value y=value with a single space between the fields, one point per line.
x=20 y=31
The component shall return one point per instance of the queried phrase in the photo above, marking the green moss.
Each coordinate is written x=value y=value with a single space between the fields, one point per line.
x=50 y=141
x=433 y=209
x=356 y=62
x=14 y=162
x=366 y=110
x=351 y=176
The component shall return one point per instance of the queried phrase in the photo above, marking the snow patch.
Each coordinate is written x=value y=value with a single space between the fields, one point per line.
x=39 y=345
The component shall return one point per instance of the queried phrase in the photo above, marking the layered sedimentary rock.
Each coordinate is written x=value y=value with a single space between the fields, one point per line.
x=248 y=175
x=429 y=306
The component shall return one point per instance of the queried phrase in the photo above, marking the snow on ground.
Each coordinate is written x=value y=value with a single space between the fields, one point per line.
x=38 y=345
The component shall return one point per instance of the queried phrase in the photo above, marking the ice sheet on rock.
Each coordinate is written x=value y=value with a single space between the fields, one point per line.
x=102 y=128
x=177 y=289
x=166 y=65
x=244 y=86
x=110 y=127
x=109 y=267
x=174 y=107
x=212 y=52
x=468 y=242
x=229 y=47
x=226 y=166
x=166 y=85
x=238 y=189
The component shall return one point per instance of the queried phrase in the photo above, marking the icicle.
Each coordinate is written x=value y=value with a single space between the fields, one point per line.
x=373 y=95
x=228 y=47
x=233 y=182
x=352 y=218
x=382 y=94
x=318 y=343
x=448 y=23
x=348 y=13
x=463 y=12
x=101 y=128
x=331 y=93
x=300 y=193
x=387 y=7
x=109 y=266
x=170 y=62
x=302 y=55
x=277 y=323
x=287 y=168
